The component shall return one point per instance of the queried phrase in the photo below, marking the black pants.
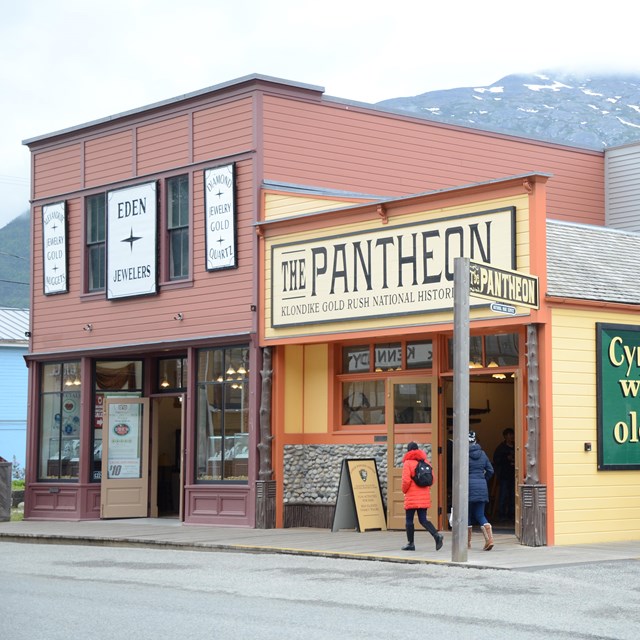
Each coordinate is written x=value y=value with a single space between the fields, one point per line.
x=422 y=519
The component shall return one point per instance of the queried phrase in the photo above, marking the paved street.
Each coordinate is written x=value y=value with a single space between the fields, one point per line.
x=61 y=590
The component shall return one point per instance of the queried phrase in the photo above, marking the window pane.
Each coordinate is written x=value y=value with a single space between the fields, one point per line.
x=420 y=355
x=52 y=377
x=172 y=374
x=211 y=365
x=96 y=226
x=112 y=378
x=178 y=202
x=475 y=352
x=412 y=403
x=59 y=446
x=388 y=357
x=502 y=349
x=222 y=422
x=356 y=359
x=363 y=402
x=178 y=254
x=96 y=219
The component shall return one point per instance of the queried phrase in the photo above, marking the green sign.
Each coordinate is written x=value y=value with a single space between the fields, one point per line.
x=618 y=380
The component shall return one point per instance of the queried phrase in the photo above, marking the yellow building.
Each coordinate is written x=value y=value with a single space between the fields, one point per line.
x=358 y=311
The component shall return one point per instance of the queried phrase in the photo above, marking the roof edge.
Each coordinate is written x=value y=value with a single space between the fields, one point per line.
x=248 y=79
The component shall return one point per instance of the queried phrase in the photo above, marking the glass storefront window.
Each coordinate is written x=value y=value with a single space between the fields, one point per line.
x=363 y=402
x=412 y=403
x=388 y=357
x=112 y=378
x=490 y=351
x=356 y=359
x=420 y=355
x=172 y=374
x=222 y=421
x=502 y=349
x=59 y=447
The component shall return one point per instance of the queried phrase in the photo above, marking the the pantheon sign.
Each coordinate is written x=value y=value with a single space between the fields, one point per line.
x=403 y=269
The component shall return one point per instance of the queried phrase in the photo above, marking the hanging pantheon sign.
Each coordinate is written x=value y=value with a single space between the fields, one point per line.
x=220 y=217
x=503 y=285
x=132 y=241
x=54 y=248
x=394 y=270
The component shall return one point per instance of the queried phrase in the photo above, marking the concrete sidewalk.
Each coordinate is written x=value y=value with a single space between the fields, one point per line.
x=374 y=545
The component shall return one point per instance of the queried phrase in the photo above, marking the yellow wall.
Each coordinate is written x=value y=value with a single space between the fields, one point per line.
x=364 y=324
x=589 y=505
x=306 y=401
x=283 y=205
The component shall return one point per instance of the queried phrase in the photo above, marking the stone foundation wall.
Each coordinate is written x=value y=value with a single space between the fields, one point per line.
x=312 y=472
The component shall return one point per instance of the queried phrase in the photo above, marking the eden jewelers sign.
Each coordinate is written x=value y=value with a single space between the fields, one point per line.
x=394 y=270
x=220 y=217
x=132 y=241
x=54 y=248
x=618 y=395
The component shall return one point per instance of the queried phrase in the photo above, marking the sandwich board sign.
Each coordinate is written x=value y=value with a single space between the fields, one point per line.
x=359 y=504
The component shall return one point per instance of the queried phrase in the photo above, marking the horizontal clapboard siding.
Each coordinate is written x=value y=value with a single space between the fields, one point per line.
x=223 y=130
x=163 y=145
x=589 y=505
x=215 y=303
x=108 y=158
x=622 y=168
x=360 y=150
x=57 y=171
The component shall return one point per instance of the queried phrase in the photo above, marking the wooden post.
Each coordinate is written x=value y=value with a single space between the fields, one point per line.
x=460 y=489
x=265 y=486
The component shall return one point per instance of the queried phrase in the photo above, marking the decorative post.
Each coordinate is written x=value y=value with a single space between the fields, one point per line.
x=265 y=486
x=533 y=494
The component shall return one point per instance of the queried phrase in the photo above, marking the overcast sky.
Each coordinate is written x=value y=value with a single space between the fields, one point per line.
x=67 y=62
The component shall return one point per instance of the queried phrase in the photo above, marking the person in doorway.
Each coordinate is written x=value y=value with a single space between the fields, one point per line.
x=416 y=499
x=504 y=463
x=480 y=471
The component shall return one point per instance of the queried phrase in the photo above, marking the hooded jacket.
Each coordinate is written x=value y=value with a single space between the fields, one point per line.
x=480 y=470
x=415 y=497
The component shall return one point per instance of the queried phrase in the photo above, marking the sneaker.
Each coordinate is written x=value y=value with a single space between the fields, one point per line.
x=409 y=547
x=439 y=542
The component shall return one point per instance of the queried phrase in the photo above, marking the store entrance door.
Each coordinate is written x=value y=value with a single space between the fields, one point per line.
x=125 y=449
x=411 y=414
x=167 y=456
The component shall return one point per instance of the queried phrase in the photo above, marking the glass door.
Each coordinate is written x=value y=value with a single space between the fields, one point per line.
x=125 y=449
x=411 y=414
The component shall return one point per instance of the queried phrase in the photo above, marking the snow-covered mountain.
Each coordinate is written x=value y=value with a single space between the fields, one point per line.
x=594 y=111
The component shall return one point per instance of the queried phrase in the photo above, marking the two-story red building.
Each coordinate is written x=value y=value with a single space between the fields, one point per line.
x=160 y=262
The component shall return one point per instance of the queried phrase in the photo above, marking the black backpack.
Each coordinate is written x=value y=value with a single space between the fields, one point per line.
x=423 y=476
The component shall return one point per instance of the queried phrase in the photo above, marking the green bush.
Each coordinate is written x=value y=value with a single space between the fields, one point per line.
x=17 y=485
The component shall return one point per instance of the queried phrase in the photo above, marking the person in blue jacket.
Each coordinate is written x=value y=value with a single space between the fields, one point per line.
x=480 y=471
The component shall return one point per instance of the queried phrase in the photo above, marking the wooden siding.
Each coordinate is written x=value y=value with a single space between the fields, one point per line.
x=57 y=171
x=223 y=130
x=315 y=390
x=283 y=205
x=108 y=158
x=163 y=145
x=622 y=180
x=361 y=150
x=214 y=304
x=590 y=506
x=293 y=385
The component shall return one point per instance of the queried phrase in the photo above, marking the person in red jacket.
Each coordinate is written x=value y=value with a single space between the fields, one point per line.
x=416 y=499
